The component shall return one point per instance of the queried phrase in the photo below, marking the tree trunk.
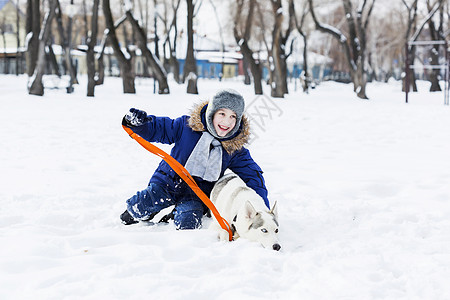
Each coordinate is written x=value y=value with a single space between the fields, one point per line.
x=412 y=74
x=190 y=66
x=305 y=73
x=126 y=70
x=18 y=71
x=100 y=78
x=52 y=59
x=175 y=66
x=360 y=81
x=245 y=64
x=91 y=42
x=411 y=51
x=409 y=59
x=242 y=40
x=36 y=87
x=434 y=73
x=255 y=68
x=66 y=45
x=304 y=76
x=154 y=63
x=436 y=35
x=192 y=84
x=33 y=27
x=5 y=57
x=156 y=40
x=278 y=66
x=100 y=60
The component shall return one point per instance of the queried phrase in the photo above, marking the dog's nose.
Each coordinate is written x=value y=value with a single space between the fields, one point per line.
x=276 y=247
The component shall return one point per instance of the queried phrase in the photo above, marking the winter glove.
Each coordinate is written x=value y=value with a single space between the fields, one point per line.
x=134 y=118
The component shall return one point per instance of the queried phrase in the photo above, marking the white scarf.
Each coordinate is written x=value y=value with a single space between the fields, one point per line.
x=205 y=160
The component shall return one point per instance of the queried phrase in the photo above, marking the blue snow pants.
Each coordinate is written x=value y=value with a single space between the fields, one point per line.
x=187 y=215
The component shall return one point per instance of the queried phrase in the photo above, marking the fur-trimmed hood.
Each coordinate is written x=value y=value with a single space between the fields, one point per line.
x=234 y=144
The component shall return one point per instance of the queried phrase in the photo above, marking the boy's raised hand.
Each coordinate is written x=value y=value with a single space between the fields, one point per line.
x=134 y=118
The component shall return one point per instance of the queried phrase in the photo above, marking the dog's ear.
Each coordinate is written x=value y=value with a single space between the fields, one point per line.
x=250 y=211
x=274 y=210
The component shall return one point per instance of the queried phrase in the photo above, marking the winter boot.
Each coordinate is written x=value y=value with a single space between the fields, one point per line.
x=127 y=219
x=167 y=217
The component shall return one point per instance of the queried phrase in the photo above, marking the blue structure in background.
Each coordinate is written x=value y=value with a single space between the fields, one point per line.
x=205 y=69
x=210 y=66
x=298 y=69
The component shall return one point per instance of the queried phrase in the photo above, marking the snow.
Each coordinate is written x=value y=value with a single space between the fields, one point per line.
x=362 y=188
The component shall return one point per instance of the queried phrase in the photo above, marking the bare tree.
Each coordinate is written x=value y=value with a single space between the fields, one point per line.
x=152 y=61
x=126 y=70
x=410 y=50
x=190 y=64
x=36 y=87
x=278 y=53
x=242 y=37
x=50 y=55
x=299 y=26
x=155 y=20
x=66 y=45
x=436 y=34
x=33 y=27
x=172 y=42
x=432 y=9
x=100 y=74
x=3 y=33
x=354 y=43
x=18 y=54
x=91 y=42
x=129 y=42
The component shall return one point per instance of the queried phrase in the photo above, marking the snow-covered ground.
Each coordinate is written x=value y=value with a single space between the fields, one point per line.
x=362 y=186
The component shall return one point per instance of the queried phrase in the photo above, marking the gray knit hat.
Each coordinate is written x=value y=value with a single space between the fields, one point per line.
x=225 y=99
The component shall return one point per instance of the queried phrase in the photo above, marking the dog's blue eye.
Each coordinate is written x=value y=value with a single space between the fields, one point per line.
x=264 y=230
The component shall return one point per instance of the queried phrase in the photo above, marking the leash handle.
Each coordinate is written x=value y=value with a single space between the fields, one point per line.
x=184 y=174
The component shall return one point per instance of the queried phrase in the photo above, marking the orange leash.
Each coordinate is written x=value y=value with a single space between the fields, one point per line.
x=184 y=174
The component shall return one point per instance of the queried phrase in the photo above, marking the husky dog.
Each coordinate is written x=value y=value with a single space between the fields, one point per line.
x=245 y=211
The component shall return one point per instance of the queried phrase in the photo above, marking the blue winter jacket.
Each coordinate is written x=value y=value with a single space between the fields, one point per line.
x=184 y=132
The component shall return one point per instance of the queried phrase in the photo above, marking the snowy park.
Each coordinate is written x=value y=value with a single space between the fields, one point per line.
x=362 y=188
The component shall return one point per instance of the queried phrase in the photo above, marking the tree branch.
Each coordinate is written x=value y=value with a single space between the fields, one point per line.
x=334 y=32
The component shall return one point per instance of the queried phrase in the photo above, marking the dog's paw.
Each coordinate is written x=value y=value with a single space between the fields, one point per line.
x=224 y=235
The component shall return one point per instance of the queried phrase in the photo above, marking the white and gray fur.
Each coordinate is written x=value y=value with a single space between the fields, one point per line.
x=245 y=211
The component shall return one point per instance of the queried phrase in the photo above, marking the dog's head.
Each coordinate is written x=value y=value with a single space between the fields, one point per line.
x=260 y=226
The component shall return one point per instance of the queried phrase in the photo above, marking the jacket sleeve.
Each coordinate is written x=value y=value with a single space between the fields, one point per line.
x=248 y=170
x=161 y=129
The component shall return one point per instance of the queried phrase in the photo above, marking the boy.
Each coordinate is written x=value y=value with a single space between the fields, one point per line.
x=207 y=142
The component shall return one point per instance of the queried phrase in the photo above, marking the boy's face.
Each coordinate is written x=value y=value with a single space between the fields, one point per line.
x=224 y=121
